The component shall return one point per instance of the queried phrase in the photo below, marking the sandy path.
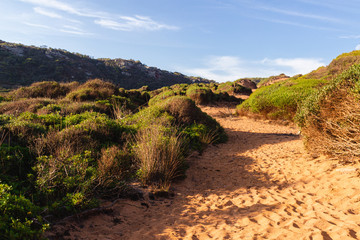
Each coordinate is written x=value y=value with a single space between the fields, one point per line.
x=261 y=184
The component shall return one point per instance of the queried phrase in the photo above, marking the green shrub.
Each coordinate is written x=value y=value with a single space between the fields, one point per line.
x=46 y=89
x=93 y=90
x=200 y=95
x=233 y=88
x=19 y=217
x=57 y=177
x=280 y=100
x=15 y=164
x=161 y=97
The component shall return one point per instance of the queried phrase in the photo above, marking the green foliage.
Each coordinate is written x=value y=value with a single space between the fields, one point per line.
x=233 y=88
x=46 y=89
x=59 y=176
x=19 y=217
x=15 y=164
x=200 y=95
x=65 y=145
x=280 y=100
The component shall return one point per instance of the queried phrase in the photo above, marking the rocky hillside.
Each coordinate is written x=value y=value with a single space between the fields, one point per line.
x=22 y=65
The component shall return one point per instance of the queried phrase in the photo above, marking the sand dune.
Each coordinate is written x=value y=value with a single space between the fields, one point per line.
x=261 y=184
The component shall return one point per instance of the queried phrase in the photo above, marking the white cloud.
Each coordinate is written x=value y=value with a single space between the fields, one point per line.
x=65 y=29
x=104 y=19
x=350 y=37
x=47 y=13
x=357 y=47
x=133 y=23
x=37 y=25
x=54 y=4
x=295 y=65
x=300 y=14
x=230 y=68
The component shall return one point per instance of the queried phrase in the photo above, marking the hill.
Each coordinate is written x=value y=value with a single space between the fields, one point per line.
x=22 y=65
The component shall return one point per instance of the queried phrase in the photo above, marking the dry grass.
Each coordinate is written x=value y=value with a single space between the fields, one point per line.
x=336 y=129
x=24 y=105
x=160 y=155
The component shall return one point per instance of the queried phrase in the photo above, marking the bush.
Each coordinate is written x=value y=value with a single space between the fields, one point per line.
x=233 y=88
x=161 y=97
x=279 y=100
x=160 y=155
x=200 y=95
x=19 y=217
x=24 y=105
x=330 y=118
x=57 y=177
x=93 y=90
x=115 y=164
x=46 y=89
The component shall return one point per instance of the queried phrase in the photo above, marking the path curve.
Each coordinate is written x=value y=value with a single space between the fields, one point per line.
x=261 y=184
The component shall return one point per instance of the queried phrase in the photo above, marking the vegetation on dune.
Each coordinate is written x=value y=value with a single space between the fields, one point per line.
x=330 y=117
x=281 y=100
x=64 y=146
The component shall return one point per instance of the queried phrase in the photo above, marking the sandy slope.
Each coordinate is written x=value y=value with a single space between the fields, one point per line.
x=260 y=185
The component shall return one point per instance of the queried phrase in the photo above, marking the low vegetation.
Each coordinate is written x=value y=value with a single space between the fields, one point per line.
x=330 y=118
x=64 y=146
x=281 y=100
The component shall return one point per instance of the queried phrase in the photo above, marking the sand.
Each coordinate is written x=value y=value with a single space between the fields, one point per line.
x=261 y=184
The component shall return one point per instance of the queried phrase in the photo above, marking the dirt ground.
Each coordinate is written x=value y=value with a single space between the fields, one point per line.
x=261 y=184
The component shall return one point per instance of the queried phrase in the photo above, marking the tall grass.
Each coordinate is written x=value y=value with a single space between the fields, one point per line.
x=160 y=155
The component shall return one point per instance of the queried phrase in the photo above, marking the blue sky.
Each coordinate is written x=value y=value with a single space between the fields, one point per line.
x=221 y=40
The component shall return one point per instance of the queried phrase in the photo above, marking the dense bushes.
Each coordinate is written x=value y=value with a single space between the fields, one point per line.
x=279 y=100
x=63 y=148
x=330 y=118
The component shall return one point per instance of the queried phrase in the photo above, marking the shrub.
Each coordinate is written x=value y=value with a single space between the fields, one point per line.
x=233 y=88
x=95 y=89
x=200 y=95
x=24 y=105
x=114 y=165
x=19 y=217
x=62 y=177
x=160 y=155
x=279 y=100
x=161 y=97
x=330 y=118
x=46 y=89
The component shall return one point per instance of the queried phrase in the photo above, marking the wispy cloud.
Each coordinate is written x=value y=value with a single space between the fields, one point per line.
x=351 y=37
x=298 y=24
x=55 y=5
x=300 y=14
x=133 y=23
x=103 y=19
x=65 y=29
x=46 y=12
x=37 y=25
x=230 y=68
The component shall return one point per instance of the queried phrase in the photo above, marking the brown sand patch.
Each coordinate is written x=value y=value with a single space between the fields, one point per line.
x=261 y=184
